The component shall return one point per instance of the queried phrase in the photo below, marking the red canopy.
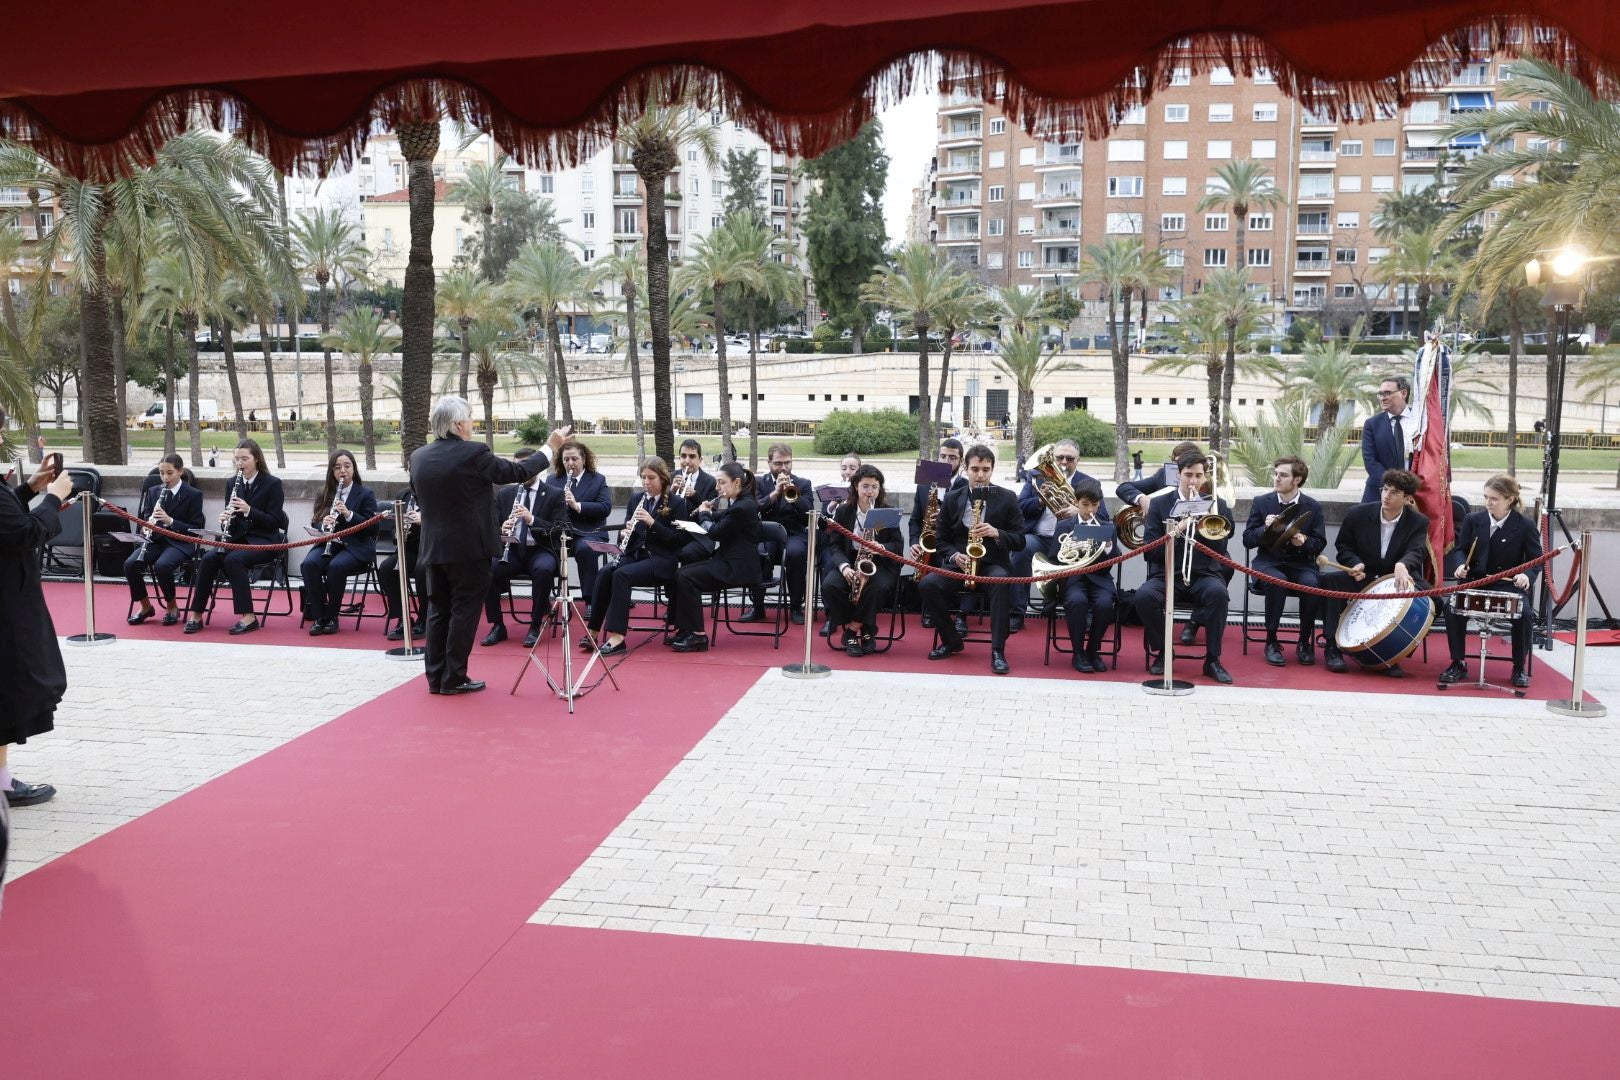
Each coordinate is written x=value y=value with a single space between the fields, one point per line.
x=301 y=82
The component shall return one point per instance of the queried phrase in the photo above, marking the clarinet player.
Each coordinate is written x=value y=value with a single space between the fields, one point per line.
x=177 y=506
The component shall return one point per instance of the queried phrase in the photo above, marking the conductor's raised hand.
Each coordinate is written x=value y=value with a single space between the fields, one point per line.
x=560 y=436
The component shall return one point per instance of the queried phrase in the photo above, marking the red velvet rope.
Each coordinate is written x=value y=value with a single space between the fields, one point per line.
x=1559 y=599
x=189 y=539
x=1334 y=594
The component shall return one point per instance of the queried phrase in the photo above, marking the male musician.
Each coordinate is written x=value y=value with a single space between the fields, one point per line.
x=1041 y=521
x=1139 y=493
x=950 y=452
x=532 y=514
x=691 y=483
x=1088 y=599
x=1385 y=537
x=1386 y=437
x=589 y=503
x=453 y=479
x=1000 y=528
x=1294 y=559
x=794 y=516
x=1205 y=589
x=1494 y=539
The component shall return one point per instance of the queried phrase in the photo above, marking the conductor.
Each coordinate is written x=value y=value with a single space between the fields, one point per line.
x=454 y=479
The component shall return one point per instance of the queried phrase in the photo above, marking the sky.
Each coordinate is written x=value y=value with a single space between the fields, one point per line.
x=908 y=138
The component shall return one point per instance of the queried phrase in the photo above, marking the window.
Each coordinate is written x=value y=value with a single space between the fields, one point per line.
x=1350 y=148
x=1215 y=223
x=692 y=220
x=1541 y=106
x=1175 y=185
x=697 y=187
x=1263 y=148
x=1265 y=112
x=388 y=240
x=1377 y=255
x=997 y=193
x=1176 y=114
x=1260 y=221
x=1423 y=112
x=1026 y=155
x=587 y=182
x=1220 y=76
x=1348 y=219
x=587 y=220
x=998 y=126
x=1174 y=257
x=995 y=260
x=1127 y=150
x=1125 y=187
x=1220 y=114
x=1214 y=256
x=995 y=226
x=590 y=254
x=1026 y=226
x=627 y=222
x=1344 y=256
x=1219 y=149
x=691 y=154
x=1349 y=184
x=1383 y=183
x=714 y=221
x=1264 y=77
x=1172 y=222
x=1127 y=224
x=461 y=241
x=717 y=187
x=1383 y=148
x=1259 y=256
x=1175 y=150
x=1181 y=76
x=1316 y=186
x=627 y=183
x=1134 y=114
x=547 y=183
x=1026 y=189
x=1344 y=292
x=998 y=159
x=1026 y=260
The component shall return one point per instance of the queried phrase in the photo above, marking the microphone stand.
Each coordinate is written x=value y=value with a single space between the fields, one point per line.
x=568 y=689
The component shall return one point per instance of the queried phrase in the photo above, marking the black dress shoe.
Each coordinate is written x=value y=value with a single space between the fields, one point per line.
x=1156 y=664
x=1395 y=672
x=1081 y=664
x=396 y=634
x=868 y=644
x=797 y=616
x=1274 y=654
x=1306 y=654
x=330 y=626
x=141 y=616
x=170 y=618
x=612 y=648
x=194 y=626
x=315 y=628
x=944 y=650
x=588 y=641
x=998 y=663
x=244 y=628
x=1214 y=670
x=21 y=794
x=959 y=624
x=1015 y=623
x=928 y=622
x=470 y=686
x=1455 y=672
x=1189 y=634
x=1097 y=663
x=1335 y=661
x=751 y=614
x=1521 y=680
x=496 y=635
x=827 y=628
x=852 y=645
x=531 y=637
x=690 y=643
x=418 y=630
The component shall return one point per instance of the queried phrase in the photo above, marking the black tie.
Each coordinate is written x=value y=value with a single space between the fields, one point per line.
x=1400 y=437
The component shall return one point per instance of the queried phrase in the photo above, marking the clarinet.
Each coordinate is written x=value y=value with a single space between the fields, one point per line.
x=337 y=502
x=146 y=533
x=228 y=518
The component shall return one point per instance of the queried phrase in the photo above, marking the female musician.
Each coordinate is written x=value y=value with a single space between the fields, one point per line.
x=326 y=569
x=735 y=562
x=651 y=547
x=177 y=506
x=388 y=573
x=253 y=514
x=839 y=581
x=589 y=504
x=1496 y=538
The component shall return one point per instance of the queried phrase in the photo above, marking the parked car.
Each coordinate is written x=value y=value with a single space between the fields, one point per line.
x=600 y=343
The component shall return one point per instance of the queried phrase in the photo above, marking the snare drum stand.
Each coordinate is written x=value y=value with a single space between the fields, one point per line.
x=569 y=688
x=1489 y=626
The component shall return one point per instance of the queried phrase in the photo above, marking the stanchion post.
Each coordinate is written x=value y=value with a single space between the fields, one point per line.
x=1168 y=685
x=1577 y=705
x=809 y=669
x=89 y=637
x=410 y=650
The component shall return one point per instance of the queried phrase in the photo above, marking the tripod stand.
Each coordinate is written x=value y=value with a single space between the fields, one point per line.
x=569 y=688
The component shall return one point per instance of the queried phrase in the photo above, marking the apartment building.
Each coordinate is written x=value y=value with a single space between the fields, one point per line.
x=18 y=215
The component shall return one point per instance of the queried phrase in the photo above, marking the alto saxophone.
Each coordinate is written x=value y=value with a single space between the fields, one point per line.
x=865 y=566
x=928 y=532
x=976 y=550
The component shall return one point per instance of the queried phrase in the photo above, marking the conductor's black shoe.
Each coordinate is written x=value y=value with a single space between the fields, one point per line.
x=1214 y=670
x=1156 y=664
x=1455 y=672
x=1335 y=661
x=531 y=637
x=1274 y=654
x=1189 y=634
x=21 y=794
x=998 y=663
x=1521 y=679
x=1306 y=654
x=751 y=614
x=690 y=643
x=470 y=686
x=496 y=635
x=1081 y=664
x=944 y=650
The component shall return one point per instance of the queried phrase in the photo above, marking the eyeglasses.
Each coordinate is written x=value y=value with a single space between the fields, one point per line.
x=1388 y=393
x=1070 y=460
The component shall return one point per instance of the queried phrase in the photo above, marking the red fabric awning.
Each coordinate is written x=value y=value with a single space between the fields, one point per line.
x=304 y=83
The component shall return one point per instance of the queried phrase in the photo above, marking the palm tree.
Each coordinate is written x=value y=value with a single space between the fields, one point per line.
x=463 y=297
x=626 y=269
x=1243 y=185
x=478 y=191
x=546 y=278
x=1282 y=434
x=652 y=143
x=1425 y=259
x=1023 y=361
x=1230 y=302
x=1601 y=374
x=754 y=244
x=1332 y=375
x=970 y=307
x=419 y=144
x=499 y=361
x=326 y=247
x=177 y=294
x=1122 y=265
x=363 y=334
x=1210 y=325
x=919 y=282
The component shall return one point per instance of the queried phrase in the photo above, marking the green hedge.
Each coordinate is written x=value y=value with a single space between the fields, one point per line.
x=1495 y=348
x=885 y=431
x=1094 y=437
x=532 y=430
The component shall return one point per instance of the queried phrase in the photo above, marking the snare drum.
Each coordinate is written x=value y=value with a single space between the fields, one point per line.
x=1382 y=633
x=1488 y=604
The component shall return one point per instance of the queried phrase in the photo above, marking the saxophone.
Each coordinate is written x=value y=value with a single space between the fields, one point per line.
x=865 y=566
x=927 y=533
x=976 y=550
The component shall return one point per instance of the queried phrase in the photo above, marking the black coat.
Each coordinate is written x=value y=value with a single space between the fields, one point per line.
x=1000 y=510
x=550 y=511
x=662 y=542
x=594 y=498
x=1315 y=531
x=362 y=503
x=703 y=490
x=1154 y=528
x=185 y=508
x=454 y=480
x=266 y=519
x=32 y=676
x=841 y=549
x=793 y=516
x=1516 y=542
x=1358 y=541
x=735 y=531
x=919 y=506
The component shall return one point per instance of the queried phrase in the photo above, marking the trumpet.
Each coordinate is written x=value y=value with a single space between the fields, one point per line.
x=227 y=517
x=332 y=512
x=791 y=492
x=976 y=550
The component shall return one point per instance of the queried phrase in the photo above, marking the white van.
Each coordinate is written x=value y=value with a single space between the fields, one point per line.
x=207 y=412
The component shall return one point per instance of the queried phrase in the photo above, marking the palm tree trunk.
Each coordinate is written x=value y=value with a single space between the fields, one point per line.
x=551 y=384
x=120 y=369
x=236 y=385
x=419 y=141
x=168 y=388
x=193 y=418
x=331 y=393
x=1026 y=422
x=753 y=396
x=486 y=391
x=554 y=344
x=270 y=388
x=366 y=425
x=944 y=374
x=654 y=171
x=723 y=375
x=98 y=399
x=1228 y=377
x=1515 y=345
x=1214 y=369
x=466 y=345
x=634 y=356
x=925 y=420
x=1122 y=398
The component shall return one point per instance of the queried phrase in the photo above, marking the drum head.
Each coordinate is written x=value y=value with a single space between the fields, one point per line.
x=1382 y=633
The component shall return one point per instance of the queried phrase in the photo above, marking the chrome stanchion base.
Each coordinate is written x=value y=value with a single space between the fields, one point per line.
x=1591 y=709
x=1174 y=688
x=406 y=652
x=806 y=671
x=92 y=639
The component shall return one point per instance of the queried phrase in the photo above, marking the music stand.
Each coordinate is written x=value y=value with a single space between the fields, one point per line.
x=569 y=688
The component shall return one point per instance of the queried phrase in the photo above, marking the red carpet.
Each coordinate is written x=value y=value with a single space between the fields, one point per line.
x=1593 y=637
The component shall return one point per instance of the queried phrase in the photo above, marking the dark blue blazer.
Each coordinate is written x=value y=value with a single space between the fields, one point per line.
x=662 y=543
x=185 y=507
x=362 y=503
x=735 y=532
x=1517 y=541
x=594 y=498
x=1154 y=527
x=1031 y=505
x=1315 y=532
x=793 y=516
x=266 y=518
x=1380 y=452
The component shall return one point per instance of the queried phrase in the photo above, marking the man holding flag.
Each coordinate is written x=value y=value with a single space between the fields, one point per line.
x=1431 y=454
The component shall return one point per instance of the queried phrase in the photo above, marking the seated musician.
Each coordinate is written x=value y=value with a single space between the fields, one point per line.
x=253 y=514
x=1377 y=538
x=857 y=616
x=1088 y=599
x=532 y=514
x=1041 y=520
x=984 y=513
x=177 y=506
x=388 y=574
x=650 y=547
x=793 y=514
x=1494 y=539
x=1204 y=589
x=326 y=570
x=950 y=452
x=734 y=563
x=1294 y=559
x=1140 y=493
x=589 y=503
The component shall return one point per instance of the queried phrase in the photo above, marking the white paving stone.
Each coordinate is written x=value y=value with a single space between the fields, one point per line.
x=1459 y=844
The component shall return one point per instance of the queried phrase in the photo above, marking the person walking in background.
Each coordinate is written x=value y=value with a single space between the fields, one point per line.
x=1136 y=463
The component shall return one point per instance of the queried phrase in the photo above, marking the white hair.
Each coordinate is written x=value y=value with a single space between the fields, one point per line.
x=449 y=412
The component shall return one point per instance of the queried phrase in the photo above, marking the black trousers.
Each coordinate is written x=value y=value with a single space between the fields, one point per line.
x=691 y=584
x=696 y=550
x=1089 y=601
x=164 y=561
x=878 y=590
x=610 y=604
x=939 y=594
x=388 y=575
x=1276 y=596
x=238 y=568
x=1457 y=630
x=792 y=558
x=588 y=562
x=454 y=593
x=1207 y=597
x=325 y=578
x=1331 y=610
x=539 y=565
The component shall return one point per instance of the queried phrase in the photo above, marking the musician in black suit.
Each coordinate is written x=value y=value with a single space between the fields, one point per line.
x=343 y=501
x=1041 y=521
x=794 y=517
x=453 y=478
x=735 y=562
x=388 y=573
x=696 y=487
x=1206 y=589
x=650 y=547
x=1139 y=493
x=589 y=504
x=950 y=452
x=533 y=514
x=178 y=507
x=1494 y=539
x=254 y=515
x=1000 y=530
x=1089 y=600
x=1295 y=560
x=858 y=617
x=1385 y=537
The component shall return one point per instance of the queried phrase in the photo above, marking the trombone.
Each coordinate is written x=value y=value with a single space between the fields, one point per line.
x=1211 y=527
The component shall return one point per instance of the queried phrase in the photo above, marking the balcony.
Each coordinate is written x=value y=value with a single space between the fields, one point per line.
x=1322 y=229
x=958 y=204
x=1060 y=160
x=1316 y=195
x=619 y=234
x=960 y=104
x=1317 y=159
x=1317 y=122
x=1309 y=297
x=627 y=198
x=965 y=135
x=1312 y=266
x=1060 y=195
x=965 y=166
x=959 y=236
x=1070 y=265
x=1058 y=232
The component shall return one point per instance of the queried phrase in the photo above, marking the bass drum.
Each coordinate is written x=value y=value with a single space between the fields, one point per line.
x=1382 y=633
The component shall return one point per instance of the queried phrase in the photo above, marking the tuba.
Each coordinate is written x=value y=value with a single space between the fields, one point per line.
x=1131 y=526
x=1071 y=553
x=1050 y=483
